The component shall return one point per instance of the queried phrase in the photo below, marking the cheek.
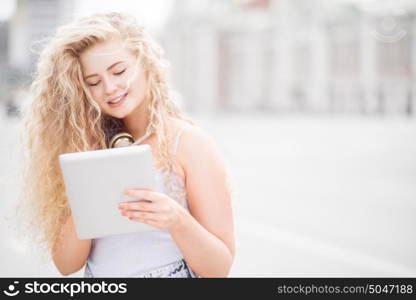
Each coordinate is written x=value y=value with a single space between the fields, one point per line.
x=141 y=87
x=96 y=95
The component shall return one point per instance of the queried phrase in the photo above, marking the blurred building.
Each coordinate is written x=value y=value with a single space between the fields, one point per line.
x=372 y=57
x=294 y=55
x=5 y=95
x=32 y=21
x=266 y=55
x=4 y=44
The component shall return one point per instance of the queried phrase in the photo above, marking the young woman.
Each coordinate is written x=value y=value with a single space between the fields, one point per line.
x=98 y=76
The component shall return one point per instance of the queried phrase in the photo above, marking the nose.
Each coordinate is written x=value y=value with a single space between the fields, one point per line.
x=110 y=86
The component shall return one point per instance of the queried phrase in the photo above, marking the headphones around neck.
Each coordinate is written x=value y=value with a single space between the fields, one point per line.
x=121 y=139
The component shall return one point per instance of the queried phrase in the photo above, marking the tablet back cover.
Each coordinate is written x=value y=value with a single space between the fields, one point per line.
x=95 y=181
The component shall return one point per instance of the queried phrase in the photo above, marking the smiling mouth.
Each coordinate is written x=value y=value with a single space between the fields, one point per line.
x=117 y=100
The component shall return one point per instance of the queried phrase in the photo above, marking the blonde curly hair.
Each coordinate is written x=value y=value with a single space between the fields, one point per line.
x=62 y=116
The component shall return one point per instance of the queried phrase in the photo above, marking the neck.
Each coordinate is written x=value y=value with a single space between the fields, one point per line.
x=136 y=122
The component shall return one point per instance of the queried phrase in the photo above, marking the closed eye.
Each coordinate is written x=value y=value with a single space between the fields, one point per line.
x=118 y=74
x=121 y=72
x=94 y=84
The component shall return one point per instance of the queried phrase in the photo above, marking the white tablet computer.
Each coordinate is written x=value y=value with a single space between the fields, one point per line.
x=95 y=181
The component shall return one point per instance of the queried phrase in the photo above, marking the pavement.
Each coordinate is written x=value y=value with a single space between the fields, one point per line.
x=313 y=195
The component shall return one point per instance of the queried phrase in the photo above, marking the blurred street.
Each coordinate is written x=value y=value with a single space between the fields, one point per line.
x=313 y=195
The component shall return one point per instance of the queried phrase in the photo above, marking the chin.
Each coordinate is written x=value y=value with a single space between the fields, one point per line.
x=128 y=108
x=119 y=115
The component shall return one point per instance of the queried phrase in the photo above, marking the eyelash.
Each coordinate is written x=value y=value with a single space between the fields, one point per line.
x=117 y=74
x=121 y=72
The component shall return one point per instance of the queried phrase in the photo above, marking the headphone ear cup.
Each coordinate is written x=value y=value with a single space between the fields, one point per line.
x=121 y=139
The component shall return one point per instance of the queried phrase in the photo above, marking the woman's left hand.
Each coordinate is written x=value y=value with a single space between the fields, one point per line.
x=159 y=210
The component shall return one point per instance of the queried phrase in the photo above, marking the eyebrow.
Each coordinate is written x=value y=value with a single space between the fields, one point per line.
x=107 y=69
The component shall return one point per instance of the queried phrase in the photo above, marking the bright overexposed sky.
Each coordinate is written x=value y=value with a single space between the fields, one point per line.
x=150 y=13
x=7 y=8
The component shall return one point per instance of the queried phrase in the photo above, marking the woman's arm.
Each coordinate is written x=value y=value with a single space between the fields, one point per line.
x=206 y=237
x=70 y=253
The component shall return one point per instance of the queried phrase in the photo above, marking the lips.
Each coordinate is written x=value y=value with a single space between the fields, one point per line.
x=117 y=101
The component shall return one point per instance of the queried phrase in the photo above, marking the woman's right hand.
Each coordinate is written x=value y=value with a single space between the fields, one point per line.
x=70 y=253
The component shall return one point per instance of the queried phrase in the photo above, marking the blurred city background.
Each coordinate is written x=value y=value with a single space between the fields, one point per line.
x=313 y=103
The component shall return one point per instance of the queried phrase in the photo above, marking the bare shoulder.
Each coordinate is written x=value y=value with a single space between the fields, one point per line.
x=194 y=139
x=190 y=145
x=196 y=148
x=178 y=124
x=191 y=136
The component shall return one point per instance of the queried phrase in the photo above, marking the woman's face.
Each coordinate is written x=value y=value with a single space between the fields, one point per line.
x=114 y=77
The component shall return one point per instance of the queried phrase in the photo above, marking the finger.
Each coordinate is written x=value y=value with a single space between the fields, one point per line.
x=162 y=208
x=153 y=223
x=145 y=194
x=149 y=220
x=138 y=205
x=141 y=216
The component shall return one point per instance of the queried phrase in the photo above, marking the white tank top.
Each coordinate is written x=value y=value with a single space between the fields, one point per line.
x=128 y=255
